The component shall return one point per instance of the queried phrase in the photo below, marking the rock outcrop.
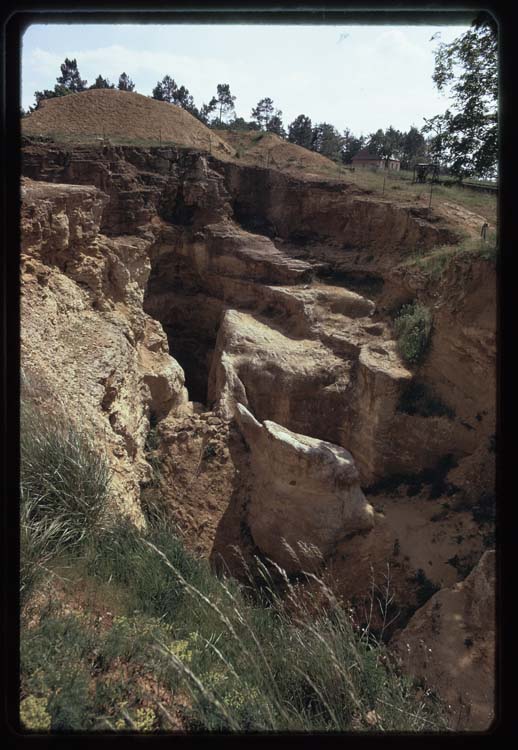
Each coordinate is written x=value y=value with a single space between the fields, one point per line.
x=450 y=643
x=305 y=493
x=85 y=337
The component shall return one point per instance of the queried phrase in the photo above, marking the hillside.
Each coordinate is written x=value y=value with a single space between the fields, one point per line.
x=122 y=116
x=269 y=150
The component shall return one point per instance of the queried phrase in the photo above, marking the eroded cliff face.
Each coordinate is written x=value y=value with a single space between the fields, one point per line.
x=270 y=320
x=249 y=316
x=85 y=339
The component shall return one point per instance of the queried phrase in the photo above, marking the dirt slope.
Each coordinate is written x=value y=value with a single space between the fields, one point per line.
x=120 y=114
x=268 y=149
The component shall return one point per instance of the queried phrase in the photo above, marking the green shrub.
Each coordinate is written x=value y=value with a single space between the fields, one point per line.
x=413 y=327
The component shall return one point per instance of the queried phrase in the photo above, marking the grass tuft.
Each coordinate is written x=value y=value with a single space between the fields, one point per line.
x=64 y=489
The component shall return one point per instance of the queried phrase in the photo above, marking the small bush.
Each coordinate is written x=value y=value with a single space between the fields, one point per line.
x=413 y=327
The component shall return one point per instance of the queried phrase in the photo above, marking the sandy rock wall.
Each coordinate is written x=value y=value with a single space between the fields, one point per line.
x=281 y=206
x=142 y=184
x=85 y=336
x=450 y=642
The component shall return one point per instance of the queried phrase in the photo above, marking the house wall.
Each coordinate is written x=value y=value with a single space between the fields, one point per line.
x=379 y=163
x=367 y=163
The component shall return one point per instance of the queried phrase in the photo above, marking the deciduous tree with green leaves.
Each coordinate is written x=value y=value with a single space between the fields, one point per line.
x=466 y=135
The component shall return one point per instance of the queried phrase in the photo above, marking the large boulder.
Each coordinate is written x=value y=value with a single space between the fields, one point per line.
x=305 y=493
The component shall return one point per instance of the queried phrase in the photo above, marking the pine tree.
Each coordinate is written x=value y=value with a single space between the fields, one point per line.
x=125 y=83
x=351 y=146
x=263 y=112
x=102 y=83
x=225 y=100
x=327 y=141
x=165 y=89
x=413 y=148
x=207 y=109
x=275 y=125
x=300 y=131
x=70 y=78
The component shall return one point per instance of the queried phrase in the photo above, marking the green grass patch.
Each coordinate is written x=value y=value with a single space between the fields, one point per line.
x=435 y=261
x=297 y=664
x=63 y=491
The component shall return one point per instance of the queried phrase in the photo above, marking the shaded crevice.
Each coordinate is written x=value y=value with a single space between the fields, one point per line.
x=194 y=355
x=189 y=318
x=361 y=282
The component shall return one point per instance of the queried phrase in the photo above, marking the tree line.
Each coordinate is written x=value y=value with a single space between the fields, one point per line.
x=220 y=113
x=463 y=140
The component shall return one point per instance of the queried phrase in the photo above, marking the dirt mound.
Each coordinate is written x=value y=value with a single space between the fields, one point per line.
x=267 y=149
x=120 y=115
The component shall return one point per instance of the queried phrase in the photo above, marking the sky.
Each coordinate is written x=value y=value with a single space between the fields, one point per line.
x=356 y=77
